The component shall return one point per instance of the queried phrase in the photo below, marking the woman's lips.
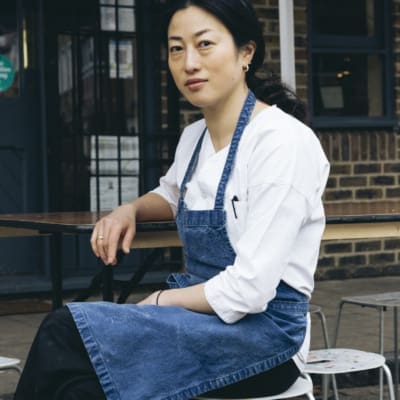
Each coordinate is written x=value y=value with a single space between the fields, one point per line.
x=195 y=84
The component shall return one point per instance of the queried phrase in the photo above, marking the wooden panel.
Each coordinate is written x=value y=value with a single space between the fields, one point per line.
x=6 y=231
x=372 y=230
x=148 y=240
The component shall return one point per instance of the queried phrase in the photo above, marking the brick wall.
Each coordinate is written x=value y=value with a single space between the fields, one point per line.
x=396 y=50
x=365 y=164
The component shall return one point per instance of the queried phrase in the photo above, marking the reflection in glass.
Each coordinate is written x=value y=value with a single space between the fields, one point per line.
x=125 y=15
x=348 y=85
x=344 y=17
x=112 y=157
x=9 y=49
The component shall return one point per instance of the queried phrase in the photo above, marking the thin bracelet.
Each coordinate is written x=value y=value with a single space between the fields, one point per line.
x=158 y=296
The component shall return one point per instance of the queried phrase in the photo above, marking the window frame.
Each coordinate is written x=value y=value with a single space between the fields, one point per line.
x=381 y=44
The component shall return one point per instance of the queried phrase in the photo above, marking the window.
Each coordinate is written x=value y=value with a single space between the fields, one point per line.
x=98 y=103
x=349 y=64
x=106 y=133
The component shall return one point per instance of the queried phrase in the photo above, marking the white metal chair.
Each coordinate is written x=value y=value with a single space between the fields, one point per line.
x=302 y=387
x=328 y=362
x=381 y=302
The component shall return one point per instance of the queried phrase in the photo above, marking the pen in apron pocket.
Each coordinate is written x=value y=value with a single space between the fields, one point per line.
x=234 y=198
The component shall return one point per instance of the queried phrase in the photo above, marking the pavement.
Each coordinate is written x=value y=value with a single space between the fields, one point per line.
x=359 y=329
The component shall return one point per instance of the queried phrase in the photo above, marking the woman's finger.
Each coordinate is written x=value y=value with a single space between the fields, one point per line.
x=93 y=238
x=127 y=239
x=113 y=241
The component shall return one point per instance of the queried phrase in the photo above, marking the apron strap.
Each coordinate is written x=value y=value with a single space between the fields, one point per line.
x=243 y=120
x=240 y=126
x=192 y=164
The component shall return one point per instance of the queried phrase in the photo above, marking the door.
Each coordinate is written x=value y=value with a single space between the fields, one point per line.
x=22 y=162
x=21 y=166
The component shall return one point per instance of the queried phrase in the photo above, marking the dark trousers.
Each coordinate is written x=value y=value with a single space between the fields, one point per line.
x=58 y=368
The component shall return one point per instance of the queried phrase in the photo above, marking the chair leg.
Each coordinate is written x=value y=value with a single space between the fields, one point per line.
x=310 y=396
x=14 y=367
x=381 y=348
x=389 y=379
x=325 y=387
x=338 y=315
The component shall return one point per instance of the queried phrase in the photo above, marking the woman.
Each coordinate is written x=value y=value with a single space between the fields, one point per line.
x=245 y=188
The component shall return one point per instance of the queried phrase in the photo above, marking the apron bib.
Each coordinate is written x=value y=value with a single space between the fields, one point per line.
x=170 y=353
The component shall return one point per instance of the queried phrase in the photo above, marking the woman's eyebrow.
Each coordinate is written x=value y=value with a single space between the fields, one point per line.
x=196 y=34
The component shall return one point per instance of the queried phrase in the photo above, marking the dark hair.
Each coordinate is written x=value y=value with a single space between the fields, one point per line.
x=240 y=19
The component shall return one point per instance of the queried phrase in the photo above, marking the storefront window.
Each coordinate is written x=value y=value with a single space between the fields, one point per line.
x=348 y=84
x=344 y=18
x=9 y=49
x=349 y=63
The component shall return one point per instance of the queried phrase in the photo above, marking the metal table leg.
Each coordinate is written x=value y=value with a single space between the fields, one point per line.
x=396 y=355
x=56 y=269
x=381 y=348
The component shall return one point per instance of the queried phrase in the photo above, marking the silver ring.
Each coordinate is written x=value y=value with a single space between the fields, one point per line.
x=100 y=237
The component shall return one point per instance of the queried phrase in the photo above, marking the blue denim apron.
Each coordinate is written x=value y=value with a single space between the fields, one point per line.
x=170 y=353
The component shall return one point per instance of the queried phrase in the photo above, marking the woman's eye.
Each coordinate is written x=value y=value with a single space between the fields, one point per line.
x=204 y=43
x=175 y=49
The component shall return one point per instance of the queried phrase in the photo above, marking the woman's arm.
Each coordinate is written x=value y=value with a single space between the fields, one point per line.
x=119 y=227
x=191 y=298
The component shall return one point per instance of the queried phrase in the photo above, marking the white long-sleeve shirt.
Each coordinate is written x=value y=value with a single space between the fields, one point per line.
x=276 y=225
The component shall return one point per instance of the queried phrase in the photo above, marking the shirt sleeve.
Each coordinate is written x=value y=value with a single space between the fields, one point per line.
x=262 y=253
x=168 y=188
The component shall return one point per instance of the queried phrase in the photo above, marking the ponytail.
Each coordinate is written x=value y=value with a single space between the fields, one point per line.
x=272 y=91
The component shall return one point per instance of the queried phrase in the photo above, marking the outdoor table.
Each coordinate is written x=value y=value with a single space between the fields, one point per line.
x=149 y=235
x=345 y=221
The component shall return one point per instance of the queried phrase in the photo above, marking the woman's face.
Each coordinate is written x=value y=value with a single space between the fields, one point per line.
x=203 y=59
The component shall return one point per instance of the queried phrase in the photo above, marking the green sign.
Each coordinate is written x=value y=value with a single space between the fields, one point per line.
x=7 y=73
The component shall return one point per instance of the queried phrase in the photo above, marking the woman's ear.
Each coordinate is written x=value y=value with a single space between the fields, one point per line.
x=247 y=52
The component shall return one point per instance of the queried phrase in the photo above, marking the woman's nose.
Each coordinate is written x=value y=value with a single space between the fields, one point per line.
x=192 y=61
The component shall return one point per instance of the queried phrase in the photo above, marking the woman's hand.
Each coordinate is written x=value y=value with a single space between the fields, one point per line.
x=119 y=225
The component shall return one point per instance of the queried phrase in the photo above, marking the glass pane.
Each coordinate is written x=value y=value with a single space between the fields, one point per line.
x=120 y=104
x=126 y=2
x=106 y=166
x=120 y=2
x=9 y=50
x=88 y=83
x=348 y=85
x=107 y=18
x=344 y=17
x=126 y=20
x=65 y=82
